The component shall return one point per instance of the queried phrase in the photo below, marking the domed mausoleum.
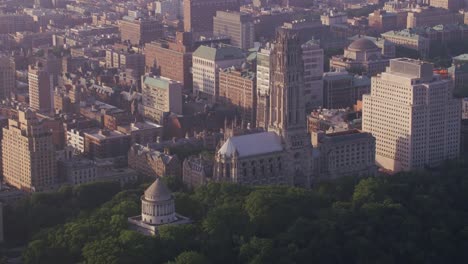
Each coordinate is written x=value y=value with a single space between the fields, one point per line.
x=157 y=208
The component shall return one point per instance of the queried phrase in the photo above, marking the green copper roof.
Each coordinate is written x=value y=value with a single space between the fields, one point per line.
x=220 y=53
x=156 y=82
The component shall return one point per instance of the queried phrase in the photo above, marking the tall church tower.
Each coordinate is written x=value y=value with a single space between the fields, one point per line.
x=287 y=116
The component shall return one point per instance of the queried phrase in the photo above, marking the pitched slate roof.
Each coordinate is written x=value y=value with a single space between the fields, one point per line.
x=252 y=145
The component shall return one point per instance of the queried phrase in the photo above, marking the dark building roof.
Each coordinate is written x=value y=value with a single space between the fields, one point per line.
x=362 y=44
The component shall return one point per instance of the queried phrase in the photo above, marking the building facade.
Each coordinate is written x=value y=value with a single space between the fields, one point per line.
x=171 y=59
x=7 y=77
x=238 y=26
x=287 y=115
x=153 y=163
x=343 y=90
x=346 y=153
x=237 y=88
x=413 y=116
x=160 y=95
x=103 y=143
x=263 y=86
x=198 y=14
x=238 y=162
x=431 y=16
x=312 y=56
x=40 y=89
x=197 y=171
x=207 y=61
x=28 y=154
x=139 y=31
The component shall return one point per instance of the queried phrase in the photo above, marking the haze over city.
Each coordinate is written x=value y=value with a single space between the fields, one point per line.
x=233 y=131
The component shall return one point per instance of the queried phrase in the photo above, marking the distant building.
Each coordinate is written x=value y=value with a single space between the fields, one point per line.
x=238 y=26
x=126 y=59
x=142 y=132
x=263 y=86
x=160 y=95
x=171 y=58
x=333 y=18
x=312 y=56
x=452 y=5
x=413 y=116
x=343 y=90
x=139 y=31
x=157 y=209
x=76 y=170
x=12 y=23
x=382 y=21
x=238 y=88
x=362 y=56
x=169 y=9
x=104 y=143
x=431 y=16
x=207 y=61
x=198 y=14
x=40 y=89
x=28 y=154
x=409 y=39
x=153 y=163
x=197 y=171
x=7 y=77
x=388 y=48
x=332 y=120
x=346 y=153
x=458 y=72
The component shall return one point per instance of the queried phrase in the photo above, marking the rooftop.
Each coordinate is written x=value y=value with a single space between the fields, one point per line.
x=362 y=44
x=223 y=52
x=251 y=145
x=158 y=192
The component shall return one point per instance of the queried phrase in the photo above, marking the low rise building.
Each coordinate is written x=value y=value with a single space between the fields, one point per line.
x=343 y=90
x=142 y=132
x=409 y=39
x=160 y=95
x=140 y=30
x=334 y=17
x=197 y=170
x=153 y=163
x=346 y=153
x=104 y=143
x=432 y=16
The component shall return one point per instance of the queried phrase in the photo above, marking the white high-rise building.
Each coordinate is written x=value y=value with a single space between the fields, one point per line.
x=413 y=116
x=312 y=55
x=206 y=63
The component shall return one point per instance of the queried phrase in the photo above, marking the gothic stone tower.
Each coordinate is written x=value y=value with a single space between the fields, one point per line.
x=287 y=115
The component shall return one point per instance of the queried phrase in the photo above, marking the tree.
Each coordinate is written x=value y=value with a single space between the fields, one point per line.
x=190 y=257
x=257 y=251
x=102 y=251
